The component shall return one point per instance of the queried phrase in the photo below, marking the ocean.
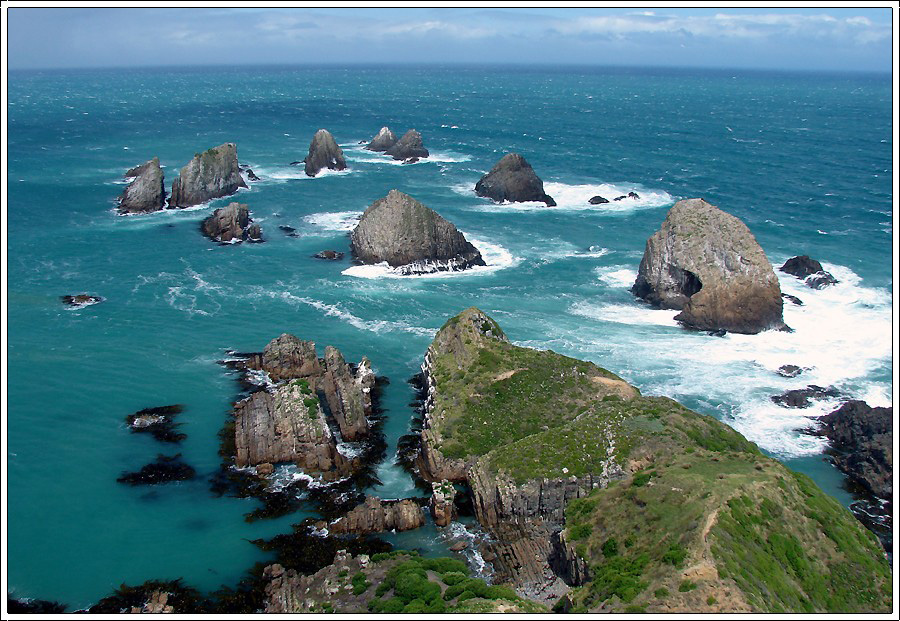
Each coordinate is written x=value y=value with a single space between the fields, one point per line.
x=804 y=159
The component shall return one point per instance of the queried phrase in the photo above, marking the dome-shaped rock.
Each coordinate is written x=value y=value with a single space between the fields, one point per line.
x=513 y=179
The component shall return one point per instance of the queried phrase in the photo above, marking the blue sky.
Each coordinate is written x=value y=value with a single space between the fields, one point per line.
x=765 y=38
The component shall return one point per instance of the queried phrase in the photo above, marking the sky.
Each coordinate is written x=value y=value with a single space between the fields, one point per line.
x=842 y=39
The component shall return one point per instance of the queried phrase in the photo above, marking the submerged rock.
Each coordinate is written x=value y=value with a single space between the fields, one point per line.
x=329 y=255
x=598 y=200
x=706 y=263
x=404 y=233
x=33 y=606
x=147 y=191
x=80 y=300
x=800 y=397
x=793 y=299
x=158 y=421
x=163 y=470
x=324 y=152
x=378 y=516
x=820 y=280
x=212 y=174
x=231 y=224
x=513 y=179
x=408 y=147
x=383 y=140
x=789 y=370
x=861 y=438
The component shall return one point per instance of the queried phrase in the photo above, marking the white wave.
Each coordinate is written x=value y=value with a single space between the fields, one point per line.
x=576 y=197
x=358 y=153
x=619 y=276
x=495 y=256
x=840 y=338
x=295 y=172
x=335 y=221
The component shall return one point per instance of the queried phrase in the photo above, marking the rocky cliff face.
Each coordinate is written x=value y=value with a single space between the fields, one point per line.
x=324 y=152
x=212 y=174
x=441 y=503
x=707 y=263
x=409 y=146
x=383 y=140
x=862 y=440
x=404 y=233
x=348 y=393
x=513 y=179
x=231 y=224
x=378 y=516
x=147 y=192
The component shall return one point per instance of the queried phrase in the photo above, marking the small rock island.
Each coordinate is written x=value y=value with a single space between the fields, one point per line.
x=409 y=147
x=706 y=263
x=405 y=234
x=513 y=180
x=231 y=224
x=324 y=152
x=147 y=190
x=212 y=174
x=383 y=140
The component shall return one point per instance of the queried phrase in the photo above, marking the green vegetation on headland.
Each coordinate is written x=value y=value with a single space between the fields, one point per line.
x=690 y=516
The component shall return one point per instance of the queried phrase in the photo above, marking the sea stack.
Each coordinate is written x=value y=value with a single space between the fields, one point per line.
x=408 y=147
x=513 y=179
x=324 y=152
x=384 y=140
x=809 y=271
x=231 y=224
x=404 y=233
x=147 y=190
x=212 y=174
x=706 y=263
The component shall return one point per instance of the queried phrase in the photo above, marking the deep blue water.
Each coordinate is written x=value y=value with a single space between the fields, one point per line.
x=803 y=159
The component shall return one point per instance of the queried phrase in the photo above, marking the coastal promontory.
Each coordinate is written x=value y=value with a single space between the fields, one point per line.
x=212 y=174
x=147 y=190
x=513 y=180
x=706 y=263
x=404 y=233
x=324 y=153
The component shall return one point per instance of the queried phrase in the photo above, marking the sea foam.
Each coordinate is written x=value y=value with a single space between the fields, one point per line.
x=576 y=197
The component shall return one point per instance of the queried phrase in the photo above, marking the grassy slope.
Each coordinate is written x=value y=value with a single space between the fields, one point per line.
x=706 y=523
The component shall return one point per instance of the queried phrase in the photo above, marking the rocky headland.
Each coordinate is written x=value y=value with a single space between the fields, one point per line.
x=621 y=502
x=706 y=263
x=147 y=190
x=212 y=174
x=324 y=153
x=409 y=147
x=407 y=235
x=383 y=140
x=231 y=224
x=512 y=179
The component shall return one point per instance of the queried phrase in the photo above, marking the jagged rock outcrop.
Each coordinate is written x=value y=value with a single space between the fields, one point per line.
x=861 y=438
x=287 y=357
x=441 y=504
x=808 y=270
x=348 y=393
x=408 y=147
x=707 y=263
x=565 y=561
x=324 y=152
x=378 y=516
x=212 y=174
x=157 y=603
x=147 y=191
x=404 y=233
x=231 y=224
x=513 y=180
x=800 y=397
x=383 y=140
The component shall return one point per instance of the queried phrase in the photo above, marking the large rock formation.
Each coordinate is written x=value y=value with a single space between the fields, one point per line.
x=578 y=478
x=707 y=263
x=324 y=152
x=212 y=174
x=231 y=224
x=147 y=190
x=379 y=516
x=441 y=503
x=861 y=438
x=290 y=421
x=513 y=179
x=383 y=140
x=409 y=146
x=402 y=232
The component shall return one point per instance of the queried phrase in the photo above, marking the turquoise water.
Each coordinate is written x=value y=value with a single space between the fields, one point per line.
x=803 y=159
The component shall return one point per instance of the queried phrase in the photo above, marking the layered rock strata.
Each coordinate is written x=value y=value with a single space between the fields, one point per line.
x=378 y=516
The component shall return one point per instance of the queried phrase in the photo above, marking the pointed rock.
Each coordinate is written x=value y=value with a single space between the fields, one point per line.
x=324 y=152
x=408 y=147
x=147 y=192
x=384 y=140
x=402 y=232
x=212 y=174
x=231 y=224
x=707 y=263
x=513 y=179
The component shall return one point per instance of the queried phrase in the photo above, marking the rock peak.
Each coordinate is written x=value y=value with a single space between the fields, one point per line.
x=513 y=179
x=409 y=146
x=147 y=190
x=384 y=140
x=211 y=174
x=324 y=152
